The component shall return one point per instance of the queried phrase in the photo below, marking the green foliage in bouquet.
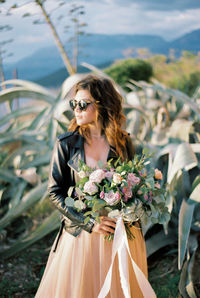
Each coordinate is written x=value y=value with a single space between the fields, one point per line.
x=125 y=189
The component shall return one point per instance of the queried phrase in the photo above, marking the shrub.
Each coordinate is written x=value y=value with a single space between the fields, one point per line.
x=124 y=70
x=192 y=83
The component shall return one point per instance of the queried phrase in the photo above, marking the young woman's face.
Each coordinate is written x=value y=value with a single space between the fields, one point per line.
x=89 y=115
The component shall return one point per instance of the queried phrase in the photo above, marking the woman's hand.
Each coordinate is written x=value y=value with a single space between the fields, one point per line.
x=106 y=226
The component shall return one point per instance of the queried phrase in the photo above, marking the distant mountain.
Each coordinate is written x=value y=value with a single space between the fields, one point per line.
x=189 y=42
x=41 y=63
x=46 y=64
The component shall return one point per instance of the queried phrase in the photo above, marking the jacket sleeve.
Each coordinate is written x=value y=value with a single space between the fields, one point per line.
x=59 y=183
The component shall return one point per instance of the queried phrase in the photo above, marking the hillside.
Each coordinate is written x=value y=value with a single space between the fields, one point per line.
x=189 y=42
x=97 y=49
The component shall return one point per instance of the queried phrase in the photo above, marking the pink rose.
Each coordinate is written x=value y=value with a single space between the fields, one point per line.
x=125 y=199
x=127 y=192
x=133 y=179
x=146 y=197
x=97 y=176
x=117 y=196
x=90 y=188
x=102 y=194
x=112 y=198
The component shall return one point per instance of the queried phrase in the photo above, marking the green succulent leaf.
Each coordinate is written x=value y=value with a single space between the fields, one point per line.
x=69 y=202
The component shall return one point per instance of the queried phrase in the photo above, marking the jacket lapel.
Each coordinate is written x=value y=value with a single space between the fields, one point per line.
x=77 y=152
x=74 y=160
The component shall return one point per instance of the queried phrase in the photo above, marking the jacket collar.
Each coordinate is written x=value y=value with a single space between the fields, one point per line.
x=77 y=141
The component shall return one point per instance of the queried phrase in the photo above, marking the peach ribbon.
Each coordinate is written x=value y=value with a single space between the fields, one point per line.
x=121 y=247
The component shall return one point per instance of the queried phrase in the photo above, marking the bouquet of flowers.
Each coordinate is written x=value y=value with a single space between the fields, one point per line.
x=125 y=189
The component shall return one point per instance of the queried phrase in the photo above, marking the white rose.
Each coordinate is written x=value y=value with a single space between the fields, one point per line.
x=117 y=178
x=82 y=174
x=90 y=188
x=97 y=176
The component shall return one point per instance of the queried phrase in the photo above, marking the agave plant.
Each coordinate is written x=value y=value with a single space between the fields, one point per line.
x=27 y=135
x=174 y=134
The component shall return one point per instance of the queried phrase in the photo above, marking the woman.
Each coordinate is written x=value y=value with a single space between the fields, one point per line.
x=80 y=257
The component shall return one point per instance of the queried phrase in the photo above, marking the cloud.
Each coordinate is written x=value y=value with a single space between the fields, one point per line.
x=111 y=18
x=174 y=24
x=169 y=5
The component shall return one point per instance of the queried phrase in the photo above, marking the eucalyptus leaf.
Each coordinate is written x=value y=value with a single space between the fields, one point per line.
x=86 y=220
x=69 y=202
x=98 y=205
x=79 y=205
x=79 y=192
x=70 y=191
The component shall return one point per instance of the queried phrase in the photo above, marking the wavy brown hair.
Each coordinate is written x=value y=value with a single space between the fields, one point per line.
x=109 y=111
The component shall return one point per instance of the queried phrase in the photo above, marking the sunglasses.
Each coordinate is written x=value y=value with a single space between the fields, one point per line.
x=82 y=104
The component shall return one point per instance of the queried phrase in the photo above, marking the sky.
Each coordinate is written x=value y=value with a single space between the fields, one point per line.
x=168 y=19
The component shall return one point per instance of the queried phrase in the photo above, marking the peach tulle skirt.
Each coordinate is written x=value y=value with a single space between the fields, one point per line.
x=80 y=264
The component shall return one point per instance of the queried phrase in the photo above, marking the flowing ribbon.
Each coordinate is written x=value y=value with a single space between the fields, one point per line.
x=121 y=247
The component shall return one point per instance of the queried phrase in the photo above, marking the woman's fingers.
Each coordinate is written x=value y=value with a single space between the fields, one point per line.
x=104 y=232
x=106 y=226
x=109 y=224
x=108 y=221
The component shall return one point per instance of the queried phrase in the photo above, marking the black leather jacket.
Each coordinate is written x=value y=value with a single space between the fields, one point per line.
x=68 y=150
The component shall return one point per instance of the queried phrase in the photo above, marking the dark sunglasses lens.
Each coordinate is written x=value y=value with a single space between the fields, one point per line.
x=82 y=105
x=72 y=104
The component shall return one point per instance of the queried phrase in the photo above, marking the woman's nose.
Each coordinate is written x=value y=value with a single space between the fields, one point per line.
x=77 y=109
